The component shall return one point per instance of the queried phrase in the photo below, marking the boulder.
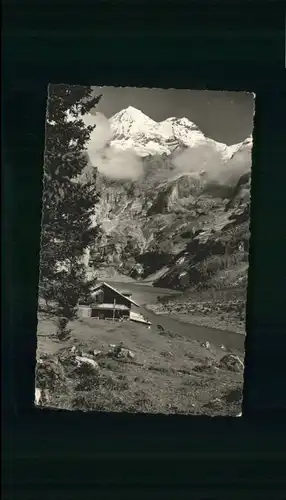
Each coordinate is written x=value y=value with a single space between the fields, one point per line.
x=82 y=360
x=126 y=353
x=232 y=363
x=120 y=352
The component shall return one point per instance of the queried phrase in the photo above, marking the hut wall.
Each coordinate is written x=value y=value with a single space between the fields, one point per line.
x=108 y=314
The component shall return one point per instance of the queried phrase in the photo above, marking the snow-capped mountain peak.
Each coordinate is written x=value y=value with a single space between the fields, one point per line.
x=131 y=121
x=185 y=122
x=133 y=114
x=132 y=129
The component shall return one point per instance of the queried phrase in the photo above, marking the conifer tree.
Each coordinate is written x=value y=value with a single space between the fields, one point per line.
x=68 y=202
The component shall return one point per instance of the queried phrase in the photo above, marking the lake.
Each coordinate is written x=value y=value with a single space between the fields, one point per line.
x=145 y=294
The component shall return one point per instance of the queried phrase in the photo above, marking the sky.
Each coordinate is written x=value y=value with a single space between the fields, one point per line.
x=224 y=116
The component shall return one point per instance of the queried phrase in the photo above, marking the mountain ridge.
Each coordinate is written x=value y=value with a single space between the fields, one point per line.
x=132 y=129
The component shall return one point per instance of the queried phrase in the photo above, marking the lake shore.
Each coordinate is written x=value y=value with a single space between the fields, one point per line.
x=200 y=320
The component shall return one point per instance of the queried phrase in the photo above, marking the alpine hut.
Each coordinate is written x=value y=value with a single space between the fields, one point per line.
x=108 y=303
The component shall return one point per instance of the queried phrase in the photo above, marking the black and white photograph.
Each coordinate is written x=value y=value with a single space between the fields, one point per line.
x=144 y=250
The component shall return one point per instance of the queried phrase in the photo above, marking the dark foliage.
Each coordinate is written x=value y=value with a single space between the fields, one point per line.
x=68 y=203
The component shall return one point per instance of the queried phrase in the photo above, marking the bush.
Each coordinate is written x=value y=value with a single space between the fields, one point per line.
x=49 y=374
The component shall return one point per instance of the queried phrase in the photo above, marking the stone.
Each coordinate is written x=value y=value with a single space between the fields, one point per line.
x=232 y=363
x=125 y=353
x=97 y=352
x=86 y=355
x=206 y=344
x=42 y=396
x=82 y=360
x=215 y=404
x=38 y=394
x=45 y=396
x=120 y=352
x=161 y=328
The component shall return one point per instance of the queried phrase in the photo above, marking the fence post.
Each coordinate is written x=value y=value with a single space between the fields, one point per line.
x=114 y=304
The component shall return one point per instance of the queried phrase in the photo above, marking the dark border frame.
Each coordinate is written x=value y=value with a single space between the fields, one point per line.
x=202 y=53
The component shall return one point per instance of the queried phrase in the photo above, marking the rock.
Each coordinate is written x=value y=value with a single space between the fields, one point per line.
x=88 y=355
x=38 y=394
x=232 y=363
x=206 y=344
x=223 y=347
x=41 y=396
x=45 y=396
x=215 y=404
x=114 y=350
x=161 y=328
x=120 y=352
x=82 y=360
x=125 y=353
x=97 y=352
x=75 y=351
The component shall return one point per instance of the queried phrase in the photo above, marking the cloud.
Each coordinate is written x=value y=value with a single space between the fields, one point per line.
x=125 y=164
x=113 y=163
x=118 y=165
x=101 y=134
x=205 y=158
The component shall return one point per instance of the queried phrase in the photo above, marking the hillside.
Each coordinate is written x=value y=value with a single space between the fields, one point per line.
x=126 y=367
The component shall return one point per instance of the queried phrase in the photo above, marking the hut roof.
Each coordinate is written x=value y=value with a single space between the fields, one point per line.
x=103 y=284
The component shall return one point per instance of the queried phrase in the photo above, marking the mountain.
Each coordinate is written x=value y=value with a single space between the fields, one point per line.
x=132 y=129
x=183 y=223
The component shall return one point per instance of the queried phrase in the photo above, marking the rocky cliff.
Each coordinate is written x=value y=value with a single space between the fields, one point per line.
x=182 y=217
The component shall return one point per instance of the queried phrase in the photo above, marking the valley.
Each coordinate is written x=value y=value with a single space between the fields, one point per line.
x=182 y=223
x=172 y=229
